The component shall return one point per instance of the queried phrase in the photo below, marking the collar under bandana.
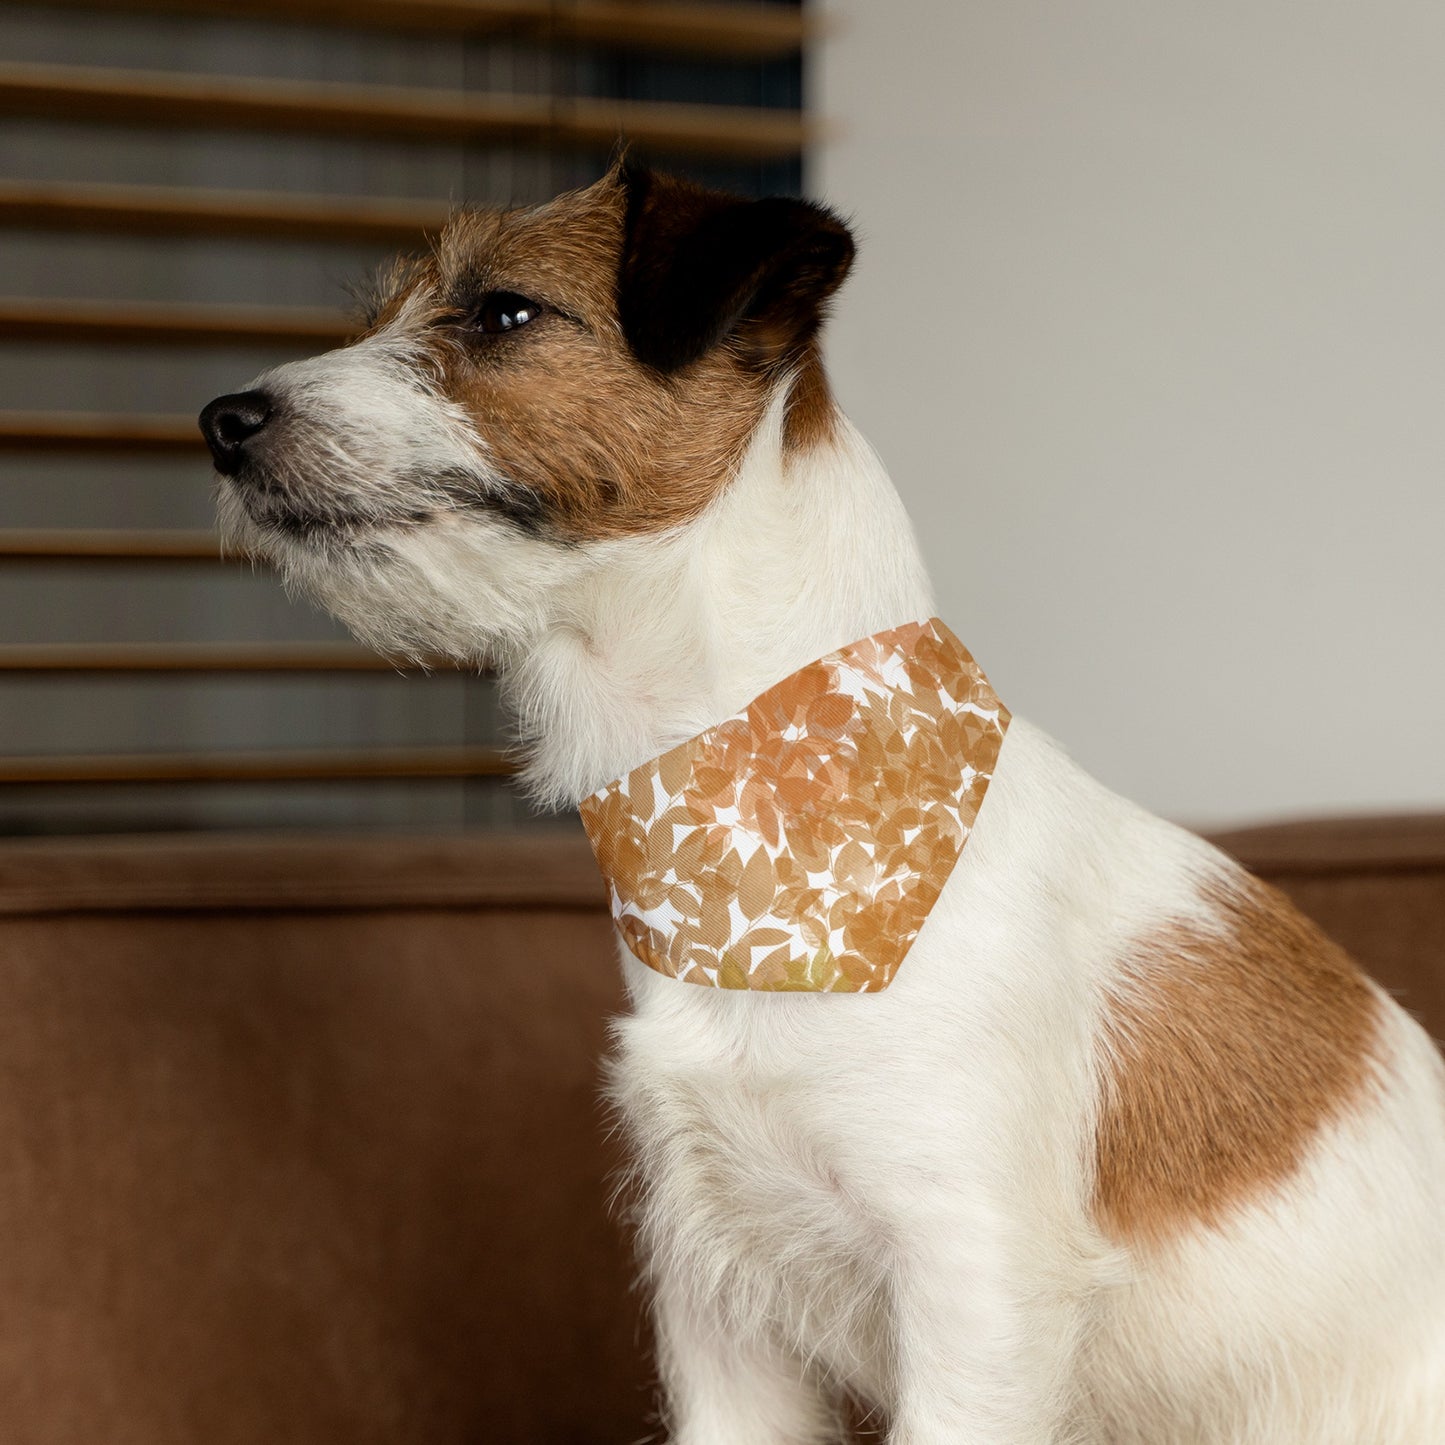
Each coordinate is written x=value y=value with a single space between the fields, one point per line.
x=800 y=845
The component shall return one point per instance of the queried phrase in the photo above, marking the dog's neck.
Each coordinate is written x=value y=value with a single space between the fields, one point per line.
x=666 y=636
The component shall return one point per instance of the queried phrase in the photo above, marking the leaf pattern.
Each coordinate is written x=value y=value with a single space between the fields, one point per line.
x=799 y=846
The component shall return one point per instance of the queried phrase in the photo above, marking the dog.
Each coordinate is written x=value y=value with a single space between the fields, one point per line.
x=1127 y=1153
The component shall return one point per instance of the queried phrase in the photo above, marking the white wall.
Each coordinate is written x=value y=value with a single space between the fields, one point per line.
x=1149 y=324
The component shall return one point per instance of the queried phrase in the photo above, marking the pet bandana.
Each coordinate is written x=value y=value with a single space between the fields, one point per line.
x=798 y=846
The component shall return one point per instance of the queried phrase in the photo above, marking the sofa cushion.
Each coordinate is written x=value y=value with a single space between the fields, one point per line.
x=300 y=1138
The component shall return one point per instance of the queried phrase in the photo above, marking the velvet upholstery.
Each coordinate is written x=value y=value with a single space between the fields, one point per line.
x=300 y=1139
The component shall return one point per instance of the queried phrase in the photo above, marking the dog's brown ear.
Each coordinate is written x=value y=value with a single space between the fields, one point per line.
x=699 y=266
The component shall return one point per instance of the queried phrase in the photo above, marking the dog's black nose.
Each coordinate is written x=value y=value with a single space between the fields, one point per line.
x=229 y=422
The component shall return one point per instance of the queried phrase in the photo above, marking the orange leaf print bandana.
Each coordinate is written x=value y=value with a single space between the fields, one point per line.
x=799 y=846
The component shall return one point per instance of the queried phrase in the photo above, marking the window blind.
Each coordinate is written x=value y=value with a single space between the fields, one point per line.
x=186 y=189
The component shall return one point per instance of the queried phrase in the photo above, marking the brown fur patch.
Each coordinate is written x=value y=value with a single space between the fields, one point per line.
x=601 y=445
x=596 y=443
x=1225 y=1055
x=812 y=415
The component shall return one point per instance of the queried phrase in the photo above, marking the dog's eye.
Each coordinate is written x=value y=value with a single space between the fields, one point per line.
x=504 y=311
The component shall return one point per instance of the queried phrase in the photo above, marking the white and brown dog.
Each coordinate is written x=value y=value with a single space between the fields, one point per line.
x=1128 y=1153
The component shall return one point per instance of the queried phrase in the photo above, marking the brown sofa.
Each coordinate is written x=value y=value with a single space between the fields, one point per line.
x=300 y=1140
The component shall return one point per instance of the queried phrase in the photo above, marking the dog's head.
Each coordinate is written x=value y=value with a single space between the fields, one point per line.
x=544 y=383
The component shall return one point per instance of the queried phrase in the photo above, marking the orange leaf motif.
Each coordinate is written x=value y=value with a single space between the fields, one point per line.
x=850 y=789
x=757 y=885
x=674 y=767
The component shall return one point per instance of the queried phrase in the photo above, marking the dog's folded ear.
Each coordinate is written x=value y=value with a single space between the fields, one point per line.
x=699 y=266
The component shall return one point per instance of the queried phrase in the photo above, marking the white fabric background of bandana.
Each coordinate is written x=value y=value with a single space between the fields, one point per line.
x=799 y=845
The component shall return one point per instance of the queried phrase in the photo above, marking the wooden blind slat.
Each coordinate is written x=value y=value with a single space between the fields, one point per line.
x=258 y=767
x=156 y=98
x=167 y=210
x=74 y=544
x=81 y=431
x=715 y=29
x=158 y=323
x=758 y=32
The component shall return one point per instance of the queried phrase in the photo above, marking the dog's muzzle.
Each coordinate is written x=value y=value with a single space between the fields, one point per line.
x=230 y=422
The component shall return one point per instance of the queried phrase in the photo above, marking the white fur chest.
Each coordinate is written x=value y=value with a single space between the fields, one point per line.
x=795 y=1146
x=747 y=1124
